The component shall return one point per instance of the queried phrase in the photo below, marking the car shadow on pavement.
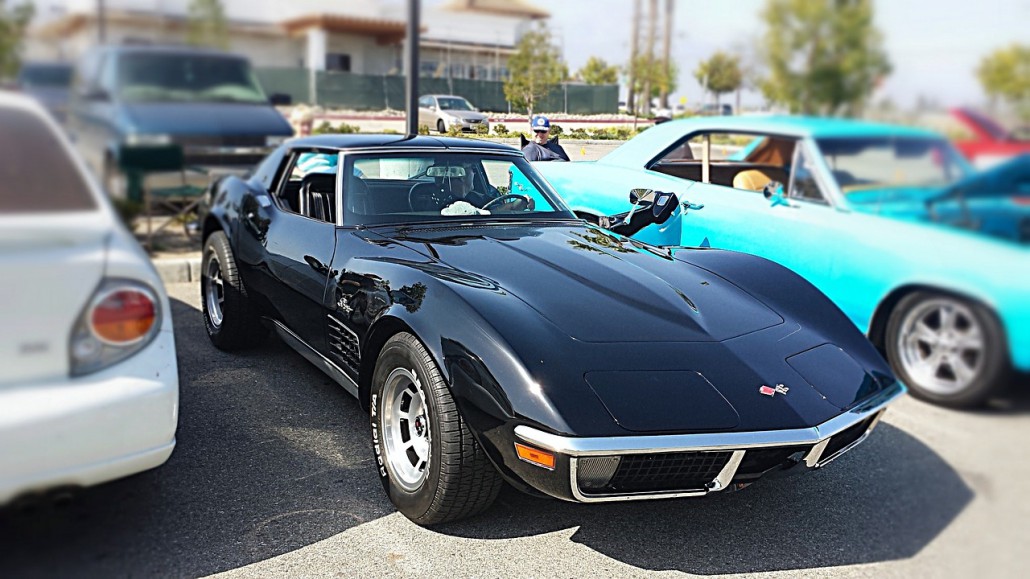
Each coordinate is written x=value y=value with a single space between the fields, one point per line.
x=885 y=500
x=271 y=456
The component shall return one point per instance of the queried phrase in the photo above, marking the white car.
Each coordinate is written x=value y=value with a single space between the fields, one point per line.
x=442 y=112
x=89 y=385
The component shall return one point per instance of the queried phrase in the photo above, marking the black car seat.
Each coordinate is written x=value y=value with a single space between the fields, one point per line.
x=358 y=196
x=318 y=196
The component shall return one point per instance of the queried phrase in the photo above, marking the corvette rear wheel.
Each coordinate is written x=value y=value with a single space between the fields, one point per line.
x=229 y=318
x=949 y=351
x=430 y=465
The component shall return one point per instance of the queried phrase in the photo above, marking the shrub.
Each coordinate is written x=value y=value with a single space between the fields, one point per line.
x=327 y=128
x=556 y=130
x=423 y=129
x=579 y=133
x=501 y=130
x=481 y=129
x=454 y=131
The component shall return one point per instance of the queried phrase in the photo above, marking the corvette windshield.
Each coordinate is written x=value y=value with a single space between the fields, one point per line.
x=409 y=187
x=873 y=167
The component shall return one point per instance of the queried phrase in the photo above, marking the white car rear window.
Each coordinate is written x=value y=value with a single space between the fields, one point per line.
x=36 y=174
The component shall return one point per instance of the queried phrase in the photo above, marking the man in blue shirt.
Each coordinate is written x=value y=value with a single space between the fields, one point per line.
x=543 y=148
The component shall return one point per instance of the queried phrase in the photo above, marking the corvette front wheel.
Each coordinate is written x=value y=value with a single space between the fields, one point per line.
x=947 y=350
x=431 y=467
x=229 y=317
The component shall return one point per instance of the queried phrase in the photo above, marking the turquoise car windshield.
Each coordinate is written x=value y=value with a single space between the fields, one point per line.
x=874 y=169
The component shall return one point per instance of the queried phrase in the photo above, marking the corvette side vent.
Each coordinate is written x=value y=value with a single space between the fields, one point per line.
x=343 y=345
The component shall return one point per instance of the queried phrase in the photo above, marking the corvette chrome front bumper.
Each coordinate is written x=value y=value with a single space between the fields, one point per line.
x=691 y=465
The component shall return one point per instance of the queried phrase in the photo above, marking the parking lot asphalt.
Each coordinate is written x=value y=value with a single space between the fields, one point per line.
x=273 y=476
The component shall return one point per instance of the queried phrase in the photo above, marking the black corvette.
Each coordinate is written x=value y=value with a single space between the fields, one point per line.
x=493 y=336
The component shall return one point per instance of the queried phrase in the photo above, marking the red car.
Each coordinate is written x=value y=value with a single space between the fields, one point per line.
x=990 y=143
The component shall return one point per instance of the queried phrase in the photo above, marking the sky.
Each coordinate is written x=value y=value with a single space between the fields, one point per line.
x=934 y=46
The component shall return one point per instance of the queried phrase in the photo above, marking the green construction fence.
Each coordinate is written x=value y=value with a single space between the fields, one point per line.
x=378 y=92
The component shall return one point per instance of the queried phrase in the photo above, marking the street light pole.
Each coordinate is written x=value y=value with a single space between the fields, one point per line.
x=411 y=66
x=101 y=22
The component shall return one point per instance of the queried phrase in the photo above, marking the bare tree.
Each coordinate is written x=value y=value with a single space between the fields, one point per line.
x=632 y=67
x=667 y=51
x=652 y=25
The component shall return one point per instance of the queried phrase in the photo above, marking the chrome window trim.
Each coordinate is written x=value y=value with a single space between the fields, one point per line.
x=600 y=446
x=409 y=149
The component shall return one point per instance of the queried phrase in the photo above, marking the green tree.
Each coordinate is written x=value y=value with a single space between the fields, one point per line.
x=823 y=56
x=13 y=21
x=597 y=71
x=651 y=72
x=720 y=74
x=534 y=70
x=1005 y=74
x=207 y=25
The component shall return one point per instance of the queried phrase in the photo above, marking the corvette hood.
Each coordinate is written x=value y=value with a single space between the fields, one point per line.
x=595 y=287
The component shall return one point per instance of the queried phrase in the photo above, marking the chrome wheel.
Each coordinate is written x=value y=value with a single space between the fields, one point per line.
x=214 y=296
x=941 y=346
x=406 y=429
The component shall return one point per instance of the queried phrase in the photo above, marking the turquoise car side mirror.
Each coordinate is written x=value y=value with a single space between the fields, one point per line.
x=773 y=191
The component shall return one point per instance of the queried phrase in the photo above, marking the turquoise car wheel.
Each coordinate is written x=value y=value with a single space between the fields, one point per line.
x=946 y=349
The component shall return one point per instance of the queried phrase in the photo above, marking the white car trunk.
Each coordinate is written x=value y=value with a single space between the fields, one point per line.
x=49 y=267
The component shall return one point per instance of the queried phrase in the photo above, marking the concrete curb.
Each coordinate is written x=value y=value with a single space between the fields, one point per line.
x=178 y=269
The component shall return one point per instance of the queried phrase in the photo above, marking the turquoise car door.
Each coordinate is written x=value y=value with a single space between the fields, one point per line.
x=795 y=230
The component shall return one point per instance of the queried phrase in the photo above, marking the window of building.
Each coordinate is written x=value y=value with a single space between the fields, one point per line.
x=337 y=61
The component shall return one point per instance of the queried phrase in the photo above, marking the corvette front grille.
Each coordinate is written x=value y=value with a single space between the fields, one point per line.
x=758 y=461
x=845 y=438
x=659 y=472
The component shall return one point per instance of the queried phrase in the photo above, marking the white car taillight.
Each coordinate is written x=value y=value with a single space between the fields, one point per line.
x=122 y=317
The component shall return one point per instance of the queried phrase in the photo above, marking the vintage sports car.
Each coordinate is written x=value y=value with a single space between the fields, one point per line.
x=493 y=335
x=89 y=383
x=988 y=143
x=928 y=258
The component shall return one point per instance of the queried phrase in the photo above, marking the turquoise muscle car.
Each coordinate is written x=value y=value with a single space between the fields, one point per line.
x=929 y=258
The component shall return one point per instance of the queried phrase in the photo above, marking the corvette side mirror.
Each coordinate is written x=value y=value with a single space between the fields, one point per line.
x=638 y=196
x=651 y=207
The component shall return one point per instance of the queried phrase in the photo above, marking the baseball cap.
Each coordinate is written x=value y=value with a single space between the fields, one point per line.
x=540 y=123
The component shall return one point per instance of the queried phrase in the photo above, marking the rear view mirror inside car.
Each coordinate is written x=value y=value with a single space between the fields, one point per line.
x=445 y=171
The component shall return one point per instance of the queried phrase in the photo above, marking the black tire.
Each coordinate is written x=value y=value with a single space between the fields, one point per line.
x=458 y=479
x=441 y=127
x=991 y=364
x=239 y=326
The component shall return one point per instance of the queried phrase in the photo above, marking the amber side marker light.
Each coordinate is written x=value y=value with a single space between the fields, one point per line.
x=535 y=456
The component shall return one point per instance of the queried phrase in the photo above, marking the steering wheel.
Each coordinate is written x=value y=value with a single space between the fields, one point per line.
x=527 y=203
